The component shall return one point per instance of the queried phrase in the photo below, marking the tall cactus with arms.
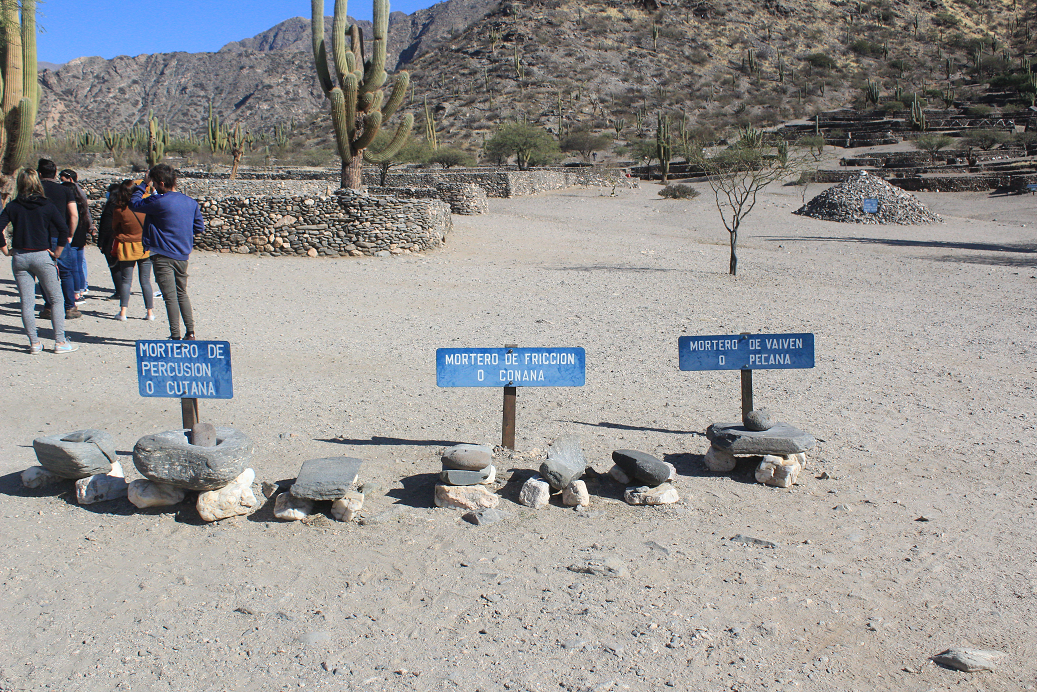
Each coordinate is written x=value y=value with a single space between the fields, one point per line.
x=358 y=105
x=20 y=88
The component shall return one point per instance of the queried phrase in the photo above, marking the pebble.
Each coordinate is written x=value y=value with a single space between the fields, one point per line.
x=749 y=540
x=779 y=471
x=535 y=493
x=565 y=462
x=460 y=477
x=144 y=493
x=101 y=487
x=234 y=500
x=77 y=454
x=287 y=507
x=345 y=508
x=759 y=419
x=326 y=479
x=465 y=497
x=719 y=460
x=619 y=475
x=38 y=477
x=611 y=567
x=481 y=517
x=467 y=457
x=968 y=660
x=641 y=466
x=576 y=495
x=845 y=203
x=664 y=494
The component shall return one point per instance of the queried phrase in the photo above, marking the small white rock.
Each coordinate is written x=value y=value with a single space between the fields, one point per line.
x=144 y=493
x=287 y=507
x=576 y=495
x=619 y=475
x=664 y=494
x=101 y=487
x=234 y=500
x=719 y=460
x=780 y=472
x=673 y=471
x=535 y=493
x=968 y=660
x=465 y=497
x=344 y=509
x=269 y=489
x=491 y=475
x=38 y=477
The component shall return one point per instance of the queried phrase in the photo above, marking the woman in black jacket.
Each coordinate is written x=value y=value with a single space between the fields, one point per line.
x=38 y=238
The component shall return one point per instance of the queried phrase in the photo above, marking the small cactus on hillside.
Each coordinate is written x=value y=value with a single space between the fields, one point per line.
x=918 y=119
x=663 y=148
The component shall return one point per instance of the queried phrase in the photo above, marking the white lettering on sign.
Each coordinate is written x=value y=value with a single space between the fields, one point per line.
x=189 y=390
x=521 y=375
x=779 y=344
x=767 y=359
x=172 y=349
x=161 y=368
x=545 y=358
x=715 y=345
x=472 y=359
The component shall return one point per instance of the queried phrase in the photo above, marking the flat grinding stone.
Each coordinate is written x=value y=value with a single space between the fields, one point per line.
x=781 y=439
x=641 y=466
x=467 y=457
x=78 y=454
x=459 y=477
x=326 y=479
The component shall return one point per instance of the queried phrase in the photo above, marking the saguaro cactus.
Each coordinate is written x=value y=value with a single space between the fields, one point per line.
x=663 y=148
x=358 y=105
x=20 y=88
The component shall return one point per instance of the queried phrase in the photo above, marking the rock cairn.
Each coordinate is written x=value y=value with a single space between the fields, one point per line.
x=331 y=479
x=467 y=471
x=845 y=203
x=646 y=477
x=561 y=472
x=782 y=447
x=210 y=460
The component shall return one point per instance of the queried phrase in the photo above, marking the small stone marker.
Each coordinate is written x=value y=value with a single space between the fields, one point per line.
x=535 y=493
x=565 y=462
x=329 y=478
x=467 y=457
x=641 y=466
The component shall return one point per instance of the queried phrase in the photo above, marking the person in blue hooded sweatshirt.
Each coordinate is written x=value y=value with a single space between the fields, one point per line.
x=172 y=220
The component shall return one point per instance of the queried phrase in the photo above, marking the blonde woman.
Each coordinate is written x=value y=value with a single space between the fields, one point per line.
x=38 y=239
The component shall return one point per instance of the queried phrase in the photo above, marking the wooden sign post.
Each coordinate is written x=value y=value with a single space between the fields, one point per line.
x=510 y=367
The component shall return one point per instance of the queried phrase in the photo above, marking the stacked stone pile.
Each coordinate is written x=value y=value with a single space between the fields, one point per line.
x=331 y=479
x=845 y=203
x=561 y=473
x=782 y=447
x=347 y=223
x=209 y=460
x=646 y=477
x=87 y=457
x=467 y=479
x=466 y=199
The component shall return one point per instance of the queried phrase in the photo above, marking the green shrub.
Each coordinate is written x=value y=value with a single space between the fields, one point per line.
x=932 y=143
x=979 y=111
x=821 y=61
x=679 y=191
x=866 y=48
x=448 y=157
x=985 y=139
x=945 y=20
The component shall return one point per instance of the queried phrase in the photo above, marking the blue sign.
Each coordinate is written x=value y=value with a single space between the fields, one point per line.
x=871 y=206
x=184 y=369
x=746 y=352
x=510 y=367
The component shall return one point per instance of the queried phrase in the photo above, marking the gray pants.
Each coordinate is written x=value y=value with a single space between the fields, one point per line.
x=171 y=276
x=125 y=274
x=28 y=267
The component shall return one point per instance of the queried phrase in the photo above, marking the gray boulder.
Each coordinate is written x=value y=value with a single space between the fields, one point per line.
x=641 y=466
x=781 y=439
x=565 y=462
x=168 y=457
x=79 y=454
x=467 y=457
x=329 y=478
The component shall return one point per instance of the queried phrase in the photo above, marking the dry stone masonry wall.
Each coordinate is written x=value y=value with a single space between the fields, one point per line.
x=346 y=223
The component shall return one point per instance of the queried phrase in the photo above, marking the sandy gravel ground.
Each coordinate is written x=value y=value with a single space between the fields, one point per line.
x=919 y=536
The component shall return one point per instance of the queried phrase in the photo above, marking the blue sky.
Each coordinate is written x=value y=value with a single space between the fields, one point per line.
x=76 y=28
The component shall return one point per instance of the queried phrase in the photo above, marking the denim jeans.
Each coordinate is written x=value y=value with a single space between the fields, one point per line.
x=66 y=267
x=76 y=258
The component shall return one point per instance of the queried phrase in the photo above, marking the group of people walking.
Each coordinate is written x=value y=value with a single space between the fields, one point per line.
x=146 y=225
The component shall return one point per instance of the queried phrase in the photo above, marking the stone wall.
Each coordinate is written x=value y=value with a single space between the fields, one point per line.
x=346 y=223
x=499 y=182
x=936 y=183
x=464 y=198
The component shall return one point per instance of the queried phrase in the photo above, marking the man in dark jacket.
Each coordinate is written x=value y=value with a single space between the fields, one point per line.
x=84 y=229
x=172 y=221
x=64 y=199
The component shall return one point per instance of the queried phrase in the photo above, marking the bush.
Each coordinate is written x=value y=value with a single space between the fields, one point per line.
x=978 y=111
x=679 y=192
x=448 y=157
x=821 y=61
x=584 y=142
x=531 y=145
x=932 y=143
x=866 y=48
x=945 y=20
x=985 y=139
x=892 y=106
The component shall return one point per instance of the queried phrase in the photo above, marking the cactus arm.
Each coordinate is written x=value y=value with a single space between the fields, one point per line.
x=338 y=40
x=372 y=121
x=399 y=138
x=349 y=116
x=356 y=42
x=30 y=75
x=320 y=53
x=374 y=75
x=399 y=92
x=339 y=115
x=21 y=142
